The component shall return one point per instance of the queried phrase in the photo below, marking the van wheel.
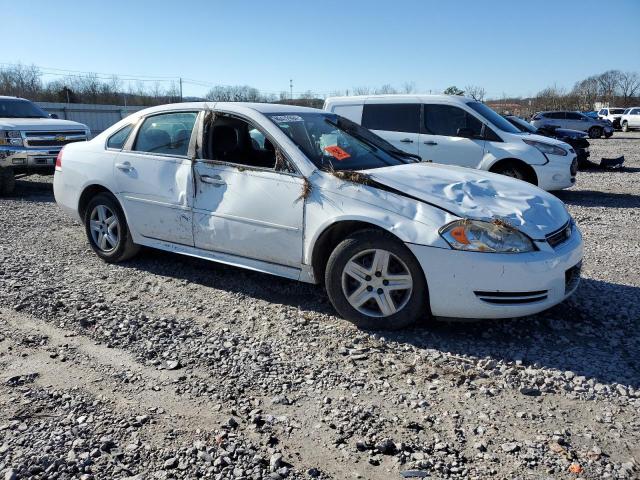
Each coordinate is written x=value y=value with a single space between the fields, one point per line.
x=625 y=127
x=375 y=282
x=595 y=132
x=511 y=170
x=107 y=229
x=7 y=181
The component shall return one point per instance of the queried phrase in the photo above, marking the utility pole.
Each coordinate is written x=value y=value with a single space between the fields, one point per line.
x=291 y=87
x=181 y=89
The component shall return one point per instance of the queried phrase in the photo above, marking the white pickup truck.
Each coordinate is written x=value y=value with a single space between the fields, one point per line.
x=30 y=140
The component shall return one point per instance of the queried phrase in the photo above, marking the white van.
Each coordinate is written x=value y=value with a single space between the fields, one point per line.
x=457 y=130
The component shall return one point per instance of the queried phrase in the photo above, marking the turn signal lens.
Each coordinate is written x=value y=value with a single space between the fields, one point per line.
x=459 y=235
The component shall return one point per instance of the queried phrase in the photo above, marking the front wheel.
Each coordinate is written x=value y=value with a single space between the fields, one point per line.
x=625 y=127
x=107 y=229
x=375 y=282
x=595 y=132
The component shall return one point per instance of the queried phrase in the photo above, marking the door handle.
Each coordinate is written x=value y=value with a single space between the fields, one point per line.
x=406 y=140
x=430 y=142
x=125 y=167
x=212 y=179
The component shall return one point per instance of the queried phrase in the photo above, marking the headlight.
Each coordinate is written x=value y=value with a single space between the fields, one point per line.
x=546 y=148
x=11 y=137
x=480 y=236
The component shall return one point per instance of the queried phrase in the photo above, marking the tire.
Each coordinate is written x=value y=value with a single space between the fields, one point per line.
x=107 y=230
x=625 y=127
x=595 y=132
x=512 y=170
x=378 y=307
x=608 y=135
x=7 y=181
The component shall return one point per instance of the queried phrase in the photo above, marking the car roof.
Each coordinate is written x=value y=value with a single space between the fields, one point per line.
x=230 y=106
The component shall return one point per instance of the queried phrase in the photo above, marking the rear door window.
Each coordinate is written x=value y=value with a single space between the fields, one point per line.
x=167 y=133
x=446 y=120
x=392 y=117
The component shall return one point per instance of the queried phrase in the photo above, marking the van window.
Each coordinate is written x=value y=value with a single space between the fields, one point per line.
x=392 y=117
x=447 y=119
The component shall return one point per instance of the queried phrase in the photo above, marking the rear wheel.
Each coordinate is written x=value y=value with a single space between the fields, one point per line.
x=107 y=229
x=375 y=282
x=595 y=132
x=7 y=181
x=625 y=127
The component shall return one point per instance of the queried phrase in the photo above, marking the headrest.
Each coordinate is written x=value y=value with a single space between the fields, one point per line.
x=224 y=138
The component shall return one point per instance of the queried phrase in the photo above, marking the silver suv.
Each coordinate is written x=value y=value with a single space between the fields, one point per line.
x=595 y=127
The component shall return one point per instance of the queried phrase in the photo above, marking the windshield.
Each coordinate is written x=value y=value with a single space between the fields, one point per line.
x=494 y=118
x=333 y=142
x=20 y=109
x=616 y=111
x=522 y=125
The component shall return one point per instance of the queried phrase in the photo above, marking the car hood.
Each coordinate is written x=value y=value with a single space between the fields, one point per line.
x=475 y=194
x=40 y=124
x=542 y=138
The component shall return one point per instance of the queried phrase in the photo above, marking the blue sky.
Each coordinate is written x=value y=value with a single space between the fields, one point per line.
x=507 y=47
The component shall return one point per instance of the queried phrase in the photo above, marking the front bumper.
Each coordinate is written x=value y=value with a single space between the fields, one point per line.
x=491 y=285
x=558 y=173
x=25 y=159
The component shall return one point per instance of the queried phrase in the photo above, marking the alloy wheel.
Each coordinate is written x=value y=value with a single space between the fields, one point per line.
x=377 y=283
x=105 y=228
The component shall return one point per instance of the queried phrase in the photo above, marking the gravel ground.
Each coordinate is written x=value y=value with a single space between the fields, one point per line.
x=170 y=367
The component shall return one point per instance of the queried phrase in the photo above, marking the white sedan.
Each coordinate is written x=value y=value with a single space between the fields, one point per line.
x=312 y=196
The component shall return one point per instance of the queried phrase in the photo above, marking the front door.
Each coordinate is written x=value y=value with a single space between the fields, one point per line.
x=441 y=140
x=245 y=205
x=153 y=178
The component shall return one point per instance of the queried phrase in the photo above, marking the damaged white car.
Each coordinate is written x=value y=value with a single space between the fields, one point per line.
x=312 y=196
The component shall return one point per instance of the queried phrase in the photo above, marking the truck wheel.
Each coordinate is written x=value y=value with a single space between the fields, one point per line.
x=107 y=229
x=7 y=181
x=595 y=132
x=625 y=127
x=375 y=282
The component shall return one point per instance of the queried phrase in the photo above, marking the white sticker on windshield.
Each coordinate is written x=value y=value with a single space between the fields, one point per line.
x=287 y=118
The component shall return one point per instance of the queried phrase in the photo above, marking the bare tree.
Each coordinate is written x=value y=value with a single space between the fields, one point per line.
x=385 y=89
x=475 y=92
x=361 y=90
x=629 y=84
x=408 y=87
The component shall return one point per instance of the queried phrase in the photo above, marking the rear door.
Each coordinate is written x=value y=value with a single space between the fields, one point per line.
x=153 y=177
x=397 y=123
x=440 y=140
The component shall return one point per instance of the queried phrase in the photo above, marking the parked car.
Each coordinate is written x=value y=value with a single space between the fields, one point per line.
x=630 y=119
x=595 y=128
x=611 y=114
x=455 y=130
x=575 y=138
x=30 y=140
x=321 y=200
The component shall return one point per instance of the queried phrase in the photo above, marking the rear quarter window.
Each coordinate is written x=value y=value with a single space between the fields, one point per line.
x=118 y=139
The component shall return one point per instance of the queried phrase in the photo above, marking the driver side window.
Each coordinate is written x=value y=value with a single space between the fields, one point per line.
x=236 y=141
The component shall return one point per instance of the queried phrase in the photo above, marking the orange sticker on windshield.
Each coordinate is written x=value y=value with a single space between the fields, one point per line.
x=336 y=152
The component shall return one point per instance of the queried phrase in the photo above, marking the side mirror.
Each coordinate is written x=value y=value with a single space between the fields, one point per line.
x=465 y=133
x=53 y=115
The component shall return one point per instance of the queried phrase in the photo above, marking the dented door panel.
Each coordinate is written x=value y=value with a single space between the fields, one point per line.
x=254 y=213
x=156 y=192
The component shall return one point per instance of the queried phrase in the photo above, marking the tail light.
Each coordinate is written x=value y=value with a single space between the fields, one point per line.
x=59 y=160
